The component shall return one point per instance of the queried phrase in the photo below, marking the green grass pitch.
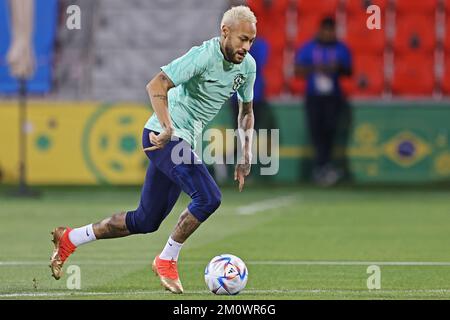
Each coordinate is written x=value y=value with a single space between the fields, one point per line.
x=298 y=243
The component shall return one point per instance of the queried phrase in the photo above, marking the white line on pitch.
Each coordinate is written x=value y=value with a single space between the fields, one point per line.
x=294 y=262
x=354 y=263
x=246 y=292
x=265 y=205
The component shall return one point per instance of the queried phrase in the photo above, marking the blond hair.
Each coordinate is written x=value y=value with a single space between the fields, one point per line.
x=238 y=13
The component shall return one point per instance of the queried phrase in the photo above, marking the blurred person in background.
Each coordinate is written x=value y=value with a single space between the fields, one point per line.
x=322 y=61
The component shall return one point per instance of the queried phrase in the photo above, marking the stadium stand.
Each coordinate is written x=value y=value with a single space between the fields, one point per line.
x=307 y=25
x=413 y=75
x=359 y=7
x=309 y=15
x=447 y=7
x=296 y=85
x=363 y=40
x=74 y=53
x=368 y=76
x=427 y=7
x=123 y=44
x=274 y=73
x=275 y=34
x=317 y=7
x=162 y=31
x=447 y=35
x=446 y=77
x=415 y=32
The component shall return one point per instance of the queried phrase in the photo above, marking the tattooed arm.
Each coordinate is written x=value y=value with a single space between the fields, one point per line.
x=246 y=123
x=157 y=90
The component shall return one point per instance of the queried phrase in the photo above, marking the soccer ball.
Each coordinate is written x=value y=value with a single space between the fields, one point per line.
x=226 y=275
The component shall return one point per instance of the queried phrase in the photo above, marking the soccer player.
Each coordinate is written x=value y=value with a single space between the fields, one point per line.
x=187 y=91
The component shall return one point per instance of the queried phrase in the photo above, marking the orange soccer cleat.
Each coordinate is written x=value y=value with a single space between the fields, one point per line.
x=168 y=274
x=63 y=249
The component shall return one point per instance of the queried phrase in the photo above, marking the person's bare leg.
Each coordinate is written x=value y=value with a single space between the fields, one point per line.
x=165 y=265
x=112 y=227
x=185 y=226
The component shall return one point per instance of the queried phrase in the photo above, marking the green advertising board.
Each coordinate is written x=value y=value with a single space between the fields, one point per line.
x=377 y=142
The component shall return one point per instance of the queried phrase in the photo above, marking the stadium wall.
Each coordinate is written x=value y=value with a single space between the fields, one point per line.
x=93 y=143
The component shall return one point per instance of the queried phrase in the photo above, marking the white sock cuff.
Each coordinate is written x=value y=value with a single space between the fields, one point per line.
x=90 y=228
x=82 y=235
x=175 y=243
x=171 y=250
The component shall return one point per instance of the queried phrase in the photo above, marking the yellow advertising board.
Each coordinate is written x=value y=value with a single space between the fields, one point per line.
x=76 y=143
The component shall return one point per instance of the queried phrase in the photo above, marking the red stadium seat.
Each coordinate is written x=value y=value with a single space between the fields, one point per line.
x=363 y=40
x=276 y=7
x=274 y=73
x=274 y=83
x=367 y=78
x=274 y=33
x=447 y=35
x=317 y=7
x=309 y=15
x=307 y=27
x=427 y=7
x=297 y=85
x=415 y=33
x=446 y=78
x=276 y=37
x=359 y=7
x=447 y=6
x=413 y=75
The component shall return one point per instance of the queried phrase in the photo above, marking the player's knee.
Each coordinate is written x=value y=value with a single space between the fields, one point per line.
x=215 y=201
x=149 y=227
x=205 y=204
x=147 y=224
x=212 y=202
x=141 y=221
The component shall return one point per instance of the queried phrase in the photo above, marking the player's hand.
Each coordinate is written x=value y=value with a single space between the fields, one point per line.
x=241 y=171
x=160 y=140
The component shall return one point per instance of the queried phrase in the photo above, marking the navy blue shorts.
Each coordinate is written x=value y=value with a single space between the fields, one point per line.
x=166 y=177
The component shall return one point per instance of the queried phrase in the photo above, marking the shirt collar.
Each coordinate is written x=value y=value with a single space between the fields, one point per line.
x=226 y=63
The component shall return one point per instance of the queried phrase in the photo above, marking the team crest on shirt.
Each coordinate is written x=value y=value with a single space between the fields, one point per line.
x=238 y=81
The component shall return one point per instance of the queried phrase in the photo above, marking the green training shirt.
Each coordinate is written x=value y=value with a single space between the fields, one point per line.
x=203 y=81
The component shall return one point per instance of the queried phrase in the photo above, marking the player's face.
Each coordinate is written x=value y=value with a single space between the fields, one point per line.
x=238 y=39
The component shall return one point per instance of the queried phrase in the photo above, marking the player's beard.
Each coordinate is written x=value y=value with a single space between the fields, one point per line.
x=230 y=55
